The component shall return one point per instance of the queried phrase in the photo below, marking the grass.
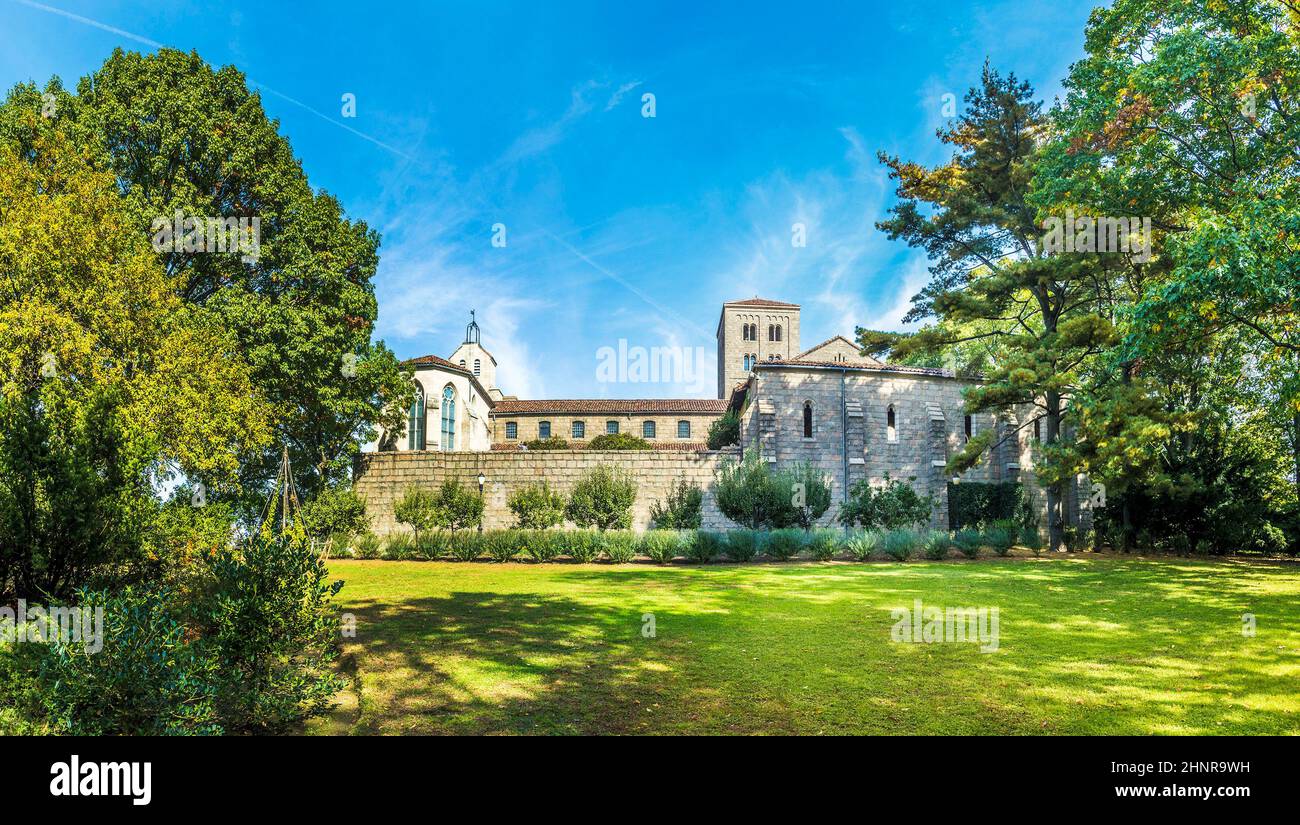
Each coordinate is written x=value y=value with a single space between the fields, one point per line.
x=1088 y=645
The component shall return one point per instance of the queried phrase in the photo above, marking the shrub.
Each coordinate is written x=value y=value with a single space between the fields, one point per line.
x=334 y=517
x=146 y=680
x=1001 y=536
x=784 y=544
x=269 y=622
x=863 y=544
x=1031 y=538
x=660 y=545
x=400 y=547
x=552 y=443
x=979 y=504
x=681 y=510
x=466 y=546
x=618 y=441
x=619 y=545
x=809 y=492
x=704 y=546
x=900 y=545
x=822 y=544
x=502 y=545
x=742 y=545
x=367 y=546
x=457 y=507
x=603 y=499
x=583 y=545
x=894 y=506
x=968 y=541
x=724 y=431
x=936 y=544
x=536 y=506
x=749 y=493
x=417 y=509
x=542 y=545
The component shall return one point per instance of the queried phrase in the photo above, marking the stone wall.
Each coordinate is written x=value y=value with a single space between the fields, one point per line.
x=381 y=478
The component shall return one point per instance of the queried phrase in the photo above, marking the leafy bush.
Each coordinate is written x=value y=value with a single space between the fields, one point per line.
x=417 y=509
x=968 y=541
x=863 y=544
x=660 y=545
x=434 y=545
x=900 y=545
x=704 y=546
x=724 y=431
x=270 y=623
x=619 y=546
x=810 y=493
x=1031 y=538
x=979 y=504
x=583 y=545
x=894 y=506
x=334 y=517
x=552 y=443
x=823 y=544
x=536 y=506
x=465 y=546
x=1001 y=536
x=146 y=680
x=502 y=545
x=937 y=544
x=603 y=499
x=784 y=544
x=400 y=547
x=681 y=510
x=618 y=441
x=457 y=507
x=367 y=546
x=543 y=545
x=752 y=495
x=742 y=545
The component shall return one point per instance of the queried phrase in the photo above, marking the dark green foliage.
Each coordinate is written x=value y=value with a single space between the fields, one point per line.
x=552 y=443
x=681 y=510
x=863 y=544
x=502 y=545
x=742 y=545
x=544 y=545
x=724 y=431
x=784 y=544
x=466 y=546
x=619 y=546
x=536 y=506
x=900 y=544
x=978 y=504
x=148 y=680
x=752 y=495
x=618 y=441
x=1001 y=536
x=661 y=546
x=894 y=506
x=457 y=507
x=417 y=509
x=936 y=544
x=823 y=544
x=704 y=546
x=334 y=516
x=968 y=541
x=367 y=546
x=583 y=546
x=603 y=499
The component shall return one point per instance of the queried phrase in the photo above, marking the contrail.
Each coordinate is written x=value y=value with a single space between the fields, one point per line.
x=156 y=45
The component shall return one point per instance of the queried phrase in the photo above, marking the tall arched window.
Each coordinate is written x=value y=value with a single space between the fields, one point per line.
x=449 y=418
x=969 y=426
x=476 y=366
x=415 y=421
x=891 y=424
x=771 y=332
x=778 y=332
x=1038 y=428
x=744 y=332
x=807 y=419
x=748 y=364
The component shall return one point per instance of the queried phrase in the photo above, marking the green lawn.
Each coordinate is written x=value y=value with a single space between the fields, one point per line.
x=1090 y=645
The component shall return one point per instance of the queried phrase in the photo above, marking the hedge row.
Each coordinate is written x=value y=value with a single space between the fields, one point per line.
x=663 y=546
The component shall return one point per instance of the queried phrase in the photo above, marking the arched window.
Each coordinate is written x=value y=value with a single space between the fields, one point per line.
x=807 y=419
x=744 y=332
x=449 y=418
x=648 y=429
x=969 y=426
x=1038 y=428
x=579 y=429
x=683 y=429
x=891 y=424
x=543 y=429
x=462 y=362
x=476 y=366
x=771 y=332
x=778 y=332
x=415 y=422
x=747 y=363
x=512 y=430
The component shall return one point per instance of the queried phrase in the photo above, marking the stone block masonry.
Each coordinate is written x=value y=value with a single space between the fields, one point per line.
x=381 y=479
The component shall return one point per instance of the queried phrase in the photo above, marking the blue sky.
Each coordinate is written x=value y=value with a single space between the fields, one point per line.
x=530 y=115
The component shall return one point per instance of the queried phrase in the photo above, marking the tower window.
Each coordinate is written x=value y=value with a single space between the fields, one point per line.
x=611 y=428
x=512 y=430
x=969 y=426
x=543 y=429
x=748 y=364
x=648 y=429
x=744 y=332
x=1038 y=428
x=778 y=332
x=771 y=332
x=476 y=366
x=807 y=420
x=891 y=424
x=579 y=429
x=683 y=429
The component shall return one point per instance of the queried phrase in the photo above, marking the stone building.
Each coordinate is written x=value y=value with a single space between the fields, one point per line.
x=849 y=414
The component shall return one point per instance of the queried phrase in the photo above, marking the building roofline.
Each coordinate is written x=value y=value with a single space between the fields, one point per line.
x=438 y=362
x=833 y=366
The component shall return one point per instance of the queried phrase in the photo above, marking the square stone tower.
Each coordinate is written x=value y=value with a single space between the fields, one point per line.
x=752 y=330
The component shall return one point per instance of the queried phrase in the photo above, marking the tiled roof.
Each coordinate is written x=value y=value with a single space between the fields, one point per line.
x=665 y=446
x=613 y=405
x=435 y=361
x=761 y=302
x=834 y=338
x=795 y=362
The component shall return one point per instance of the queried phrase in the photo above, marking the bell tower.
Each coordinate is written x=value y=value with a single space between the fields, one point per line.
x=755 y=329
x=472 y=356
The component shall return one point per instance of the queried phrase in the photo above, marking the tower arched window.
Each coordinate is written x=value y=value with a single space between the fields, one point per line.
x=747 y=363
x=1038 y=428
x=807 y=420
x=771 y=332
x=891 y=424
x=968 y=425
x=415 y=421
x=449 y=418
x=477 y=365
x=744 y=332
x=778 y=332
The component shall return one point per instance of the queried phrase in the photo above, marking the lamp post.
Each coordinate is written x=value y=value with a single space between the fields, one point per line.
x=482 y=479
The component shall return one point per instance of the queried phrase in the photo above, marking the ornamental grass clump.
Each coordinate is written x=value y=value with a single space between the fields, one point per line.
x=937 y=544
x=863 y=544
x=784 y=545
x=742 y=545
x=900 y=545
